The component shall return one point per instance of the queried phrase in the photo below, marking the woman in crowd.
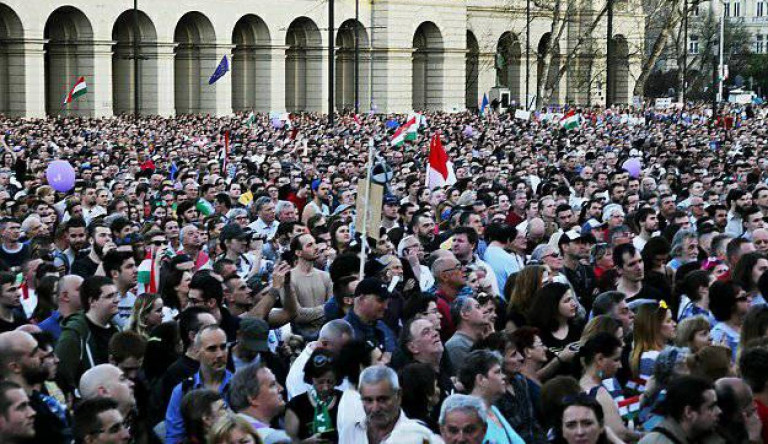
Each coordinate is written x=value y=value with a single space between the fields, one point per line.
x=693 y=332
x=482 y=376
x=340 y=236
x=747 y=273
x=755 y=326
x=654 y=328
x=147 y=314
x=655 y=256
x=601 y=358
x=729 y=304
x=582 y=422
x=553 y=312
x=201 y=409
x=711 y=362
x=602 y=324
x=520 y=293
x=693 y=294
x=515 y=405
x=312 y=415
x=174 y=290
x=233 y=429
x=418 y=385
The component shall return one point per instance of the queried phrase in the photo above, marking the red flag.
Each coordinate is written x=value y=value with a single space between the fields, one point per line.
x=439 y=170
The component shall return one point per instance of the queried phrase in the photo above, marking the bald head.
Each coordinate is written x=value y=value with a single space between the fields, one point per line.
x=536 y=228
x=733 y=396
x=444 y=263
x=13 y=344
x=97 y=379
x=760 y=239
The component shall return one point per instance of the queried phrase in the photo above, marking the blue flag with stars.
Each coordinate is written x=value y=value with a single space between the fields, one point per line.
x=222 y=69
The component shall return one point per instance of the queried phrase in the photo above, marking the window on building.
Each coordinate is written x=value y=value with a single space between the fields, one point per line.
x=693 y=44
x=737 y=9
x=759 y=44
x=759 y=9
x=727 y=9
x=696 y=11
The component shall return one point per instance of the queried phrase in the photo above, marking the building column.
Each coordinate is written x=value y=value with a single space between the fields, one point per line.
x=275 y=100
x=454 y=76
x=393 y=79
x=102 y=79
x=165 y=68
x=26 y=72
x=223 y=87
x=316 y=78
x=486 y=74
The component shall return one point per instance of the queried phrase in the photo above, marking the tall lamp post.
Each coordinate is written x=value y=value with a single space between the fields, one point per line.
x=608 y=54
x=331 y=61
x=357 y=57
x=527 y=52
x=684 y=86
x=136 y=76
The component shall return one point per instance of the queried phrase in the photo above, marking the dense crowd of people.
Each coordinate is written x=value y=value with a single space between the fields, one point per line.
x=205 y=280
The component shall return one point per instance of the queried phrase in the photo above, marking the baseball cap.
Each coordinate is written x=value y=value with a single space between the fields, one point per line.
x=372 y=286
x=254 y=333
x=233 y=231
x=391 y=200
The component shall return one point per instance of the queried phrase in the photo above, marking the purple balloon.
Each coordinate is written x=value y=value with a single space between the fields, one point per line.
x=60 y=175
x=468 y=131
x=277 y=123
x=633 y=167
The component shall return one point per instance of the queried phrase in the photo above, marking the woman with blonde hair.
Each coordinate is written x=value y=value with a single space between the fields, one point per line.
x=654 y=328
x=147 y=314
x=693 y=333
x=602 y=324
x=520 y=291
x=233 y=429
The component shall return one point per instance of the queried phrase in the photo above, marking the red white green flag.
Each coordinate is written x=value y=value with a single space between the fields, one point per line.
x=78 y=90
x=406 y=131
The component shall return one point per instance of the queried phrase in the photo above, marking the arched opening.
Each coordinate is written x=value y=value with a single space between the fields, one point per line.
x=345 y=65
x=12 y=66
x=194 y=62
x=427 y=68
x=553 y=82
x=68 y=56
x=251 y=65
x=508 y=64
x=123 y=59
x=303 y=67
x=472 y=64
x=619 y=86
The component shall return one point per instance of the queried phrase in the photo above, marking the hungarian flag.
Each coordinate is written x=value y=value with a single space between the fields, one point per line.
x=570 y=120
x=440 y=169
x=405 y=132
x=147 y=279
x=78 y=90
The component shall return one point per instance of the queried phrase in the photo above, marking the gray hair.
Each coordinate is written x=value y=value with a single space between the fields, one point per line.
x=281 y=205
x=335 y=329
x=377 y=373
x=236 y=212
x=26 y=224
x=679 y=240
x=243 y=386
x=540 y=251
x=466 y=403
x=260 y=202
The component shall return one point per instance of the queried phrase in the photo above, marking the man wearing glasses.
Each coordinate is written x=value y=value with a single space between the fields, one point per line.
x=98 y=421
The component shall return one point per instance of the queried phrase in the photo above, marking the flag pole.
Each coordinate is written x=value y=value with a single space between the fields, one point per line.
x=364 y=233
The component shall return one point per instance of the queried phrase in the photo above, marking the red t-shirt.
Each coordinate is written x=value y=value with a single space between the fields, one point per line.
x=762 y=413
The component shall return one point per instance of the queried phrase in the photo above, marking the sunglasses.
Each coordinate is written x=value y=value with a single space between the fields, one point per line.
x=159 y=243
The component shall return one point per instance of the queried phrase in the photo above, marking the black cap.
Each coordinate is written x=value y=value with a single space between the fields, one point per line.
x=372 y=286
x=233 y=231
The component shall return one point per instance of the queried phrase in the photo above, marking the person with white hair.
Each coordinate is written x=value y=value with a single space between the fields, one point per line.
x=463 y=419
x=384 y=422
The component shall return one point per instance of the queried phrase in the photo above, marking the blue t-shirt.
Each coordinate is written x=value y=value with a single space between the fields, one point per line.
x=722 y=330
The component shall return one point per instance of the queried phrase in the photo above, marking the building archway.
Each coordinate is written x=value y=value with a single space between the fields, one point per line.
x=345 y=65
x=194 y=62
x=508 y=54
x=68 y=56
x=123 y=76
x=303 y=65
x=619 y=86
x=251 y=71
x=472 y=65
x=12 y=66
x=427 y=68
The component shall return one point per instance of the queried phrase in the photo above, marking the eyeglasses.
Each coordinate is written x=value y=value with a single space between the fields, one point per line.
x=158 y=243
x=554 y=255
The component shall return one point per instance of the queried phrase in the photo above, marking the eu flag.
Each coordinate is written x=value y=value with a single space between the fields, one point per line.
x=220 y=71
